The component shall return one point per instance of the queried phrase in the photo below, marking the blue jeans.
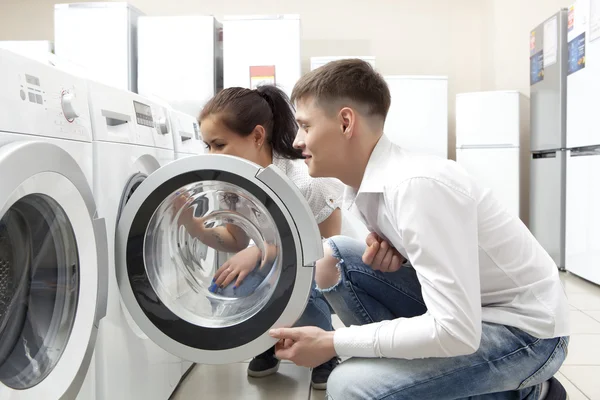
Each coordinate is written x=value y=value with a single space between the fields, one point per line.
x=316 y=313
x=509 y=364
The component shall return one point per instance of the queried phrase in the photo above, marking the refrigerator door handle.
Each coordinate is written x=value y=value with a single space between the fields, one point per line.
x=585 y=151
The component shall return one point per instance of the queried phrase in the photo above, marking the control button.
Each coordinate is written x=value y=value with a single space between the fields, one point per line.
x=38 y=99
x=22 y=93
x=31 y=97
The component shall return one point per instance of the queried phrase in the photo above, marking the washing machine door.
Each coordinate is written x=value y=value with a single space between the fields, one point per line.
x=172 y=238
x=53 y=272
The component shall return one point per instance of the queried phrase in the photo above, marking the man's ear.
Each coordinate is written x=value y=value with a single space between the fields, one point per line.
x=347 y=118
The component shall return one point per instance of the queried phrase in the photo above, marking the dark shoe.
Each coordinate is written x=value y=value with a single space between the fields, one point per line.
x=263 y=365
x=321 y=373
x=556 y=391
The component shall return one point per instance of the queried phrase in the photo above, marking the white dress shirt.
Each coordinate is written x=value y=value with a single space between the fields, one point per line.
x=475 y=261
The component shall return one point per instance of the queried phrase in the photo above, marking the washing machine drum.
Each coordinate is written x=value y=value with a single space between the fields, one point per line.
x=203 y=216
x=38 y=290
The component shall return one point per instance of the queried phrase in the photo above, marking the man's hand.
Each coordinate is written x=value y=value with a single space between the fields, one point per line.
x=307 y=346
x=381 y=256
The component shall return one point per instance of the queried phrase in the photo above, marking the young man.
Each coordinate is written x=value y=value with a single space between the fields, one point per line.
x=478 y=311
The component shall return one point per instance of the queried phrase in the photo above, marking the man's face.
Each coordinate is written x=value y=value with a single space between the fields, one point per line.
x=320 y=138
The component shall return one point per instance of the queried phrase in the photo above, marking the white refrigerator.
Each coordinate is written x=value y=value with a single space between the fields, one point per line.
x=180 y=60
x=492 y=144
x=418 y=115
x=261 y=50
x=101 y=38
x=582 y=245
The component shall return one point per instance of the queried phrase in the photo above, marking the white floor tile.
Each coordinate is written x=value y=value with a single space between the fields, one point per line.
x=583 y=350
x=336 y=322
x=573 y=392
x=317 y=394
x=585 y=378
x=231 y=382
x=583 y=323
x=574 y=284
x=589 y=301
x=594 y=314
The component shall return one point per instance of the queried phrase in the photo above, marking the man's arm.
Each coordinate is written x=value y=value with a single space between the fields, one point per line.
x=438 y=225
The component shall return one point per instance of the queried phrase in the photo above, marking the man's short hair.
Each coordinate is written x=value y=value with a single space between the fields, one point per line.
x=351 y=80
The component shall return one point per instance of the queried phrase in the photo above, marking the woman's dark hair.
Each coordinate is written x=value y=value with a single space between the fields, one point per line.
x=241 y=110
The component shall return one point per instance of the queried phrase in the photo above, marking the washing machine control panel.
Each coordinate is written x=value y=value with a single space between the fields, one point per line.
x=54 y=101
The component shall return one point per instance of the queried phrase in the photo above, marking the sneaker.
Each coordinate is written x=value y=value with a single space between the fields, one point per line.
x=321 y=373
x=264 y=364
x=556 y=391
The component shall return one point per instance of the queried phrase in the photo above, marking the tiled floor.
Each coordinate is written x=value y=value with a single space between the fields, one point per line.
x=580 y=373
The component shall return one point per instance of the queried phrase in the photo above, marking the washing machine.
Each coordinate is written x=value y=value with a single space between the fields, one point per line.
x=187 y=140
x=165 y=276
x=53 y=249
x=130 y=135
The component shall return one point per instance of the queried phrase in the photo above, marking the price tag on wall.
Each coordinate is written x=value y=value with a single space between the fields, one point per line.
x=262 y=75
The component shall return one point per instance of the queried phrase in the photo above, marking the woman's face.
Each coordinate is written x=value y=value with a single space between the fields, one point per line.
x=221 y=140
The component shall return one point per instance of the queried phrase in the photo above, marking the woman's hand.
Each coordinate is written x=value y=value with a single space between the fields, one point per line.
x=238 y=266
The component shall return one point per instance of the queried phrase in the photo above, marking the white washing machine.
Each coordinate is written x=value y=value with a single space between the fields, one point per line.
x=165 y=277
x=53 y=264
x=187 y=140
x=126 y=131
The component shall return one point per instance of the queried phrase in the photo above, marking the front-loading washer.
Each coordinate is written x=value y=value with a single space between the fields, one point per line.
x=164 y=275
x=187 y=140
x=53 y=255
x=130 y=135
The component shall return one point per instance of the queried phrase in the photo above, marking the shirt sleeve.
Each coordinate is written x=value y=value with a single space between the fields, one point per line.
x=324 y=195
x=438 y=227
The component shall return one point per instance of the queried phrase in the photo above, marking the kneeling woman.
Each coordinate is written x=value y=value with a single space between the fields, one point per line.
x=259 y=126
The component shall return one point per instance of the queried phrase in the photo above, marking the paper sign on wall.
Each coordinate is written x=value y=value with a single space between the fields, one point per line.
x=532 y=43
x=262 y=75
x=550 y=42
x=594 y=20
x=576 y=54
x=536 y=68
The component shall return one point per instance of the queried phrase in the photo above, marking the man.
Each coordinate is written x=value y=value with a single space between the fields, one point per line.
x=480 y=309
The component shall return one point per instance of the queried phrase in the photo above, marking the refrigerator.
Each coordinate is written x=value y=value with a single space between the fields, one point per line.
x=189 y=70
x=548 y=96
x=316 y=62
x=418 y=116
x=101 y=38
x=582 y=252
x=492 y=144
x=261 y=50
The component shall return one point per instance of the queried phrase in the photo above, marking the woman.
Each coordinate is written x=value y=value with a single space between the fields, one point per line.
x=259 y=126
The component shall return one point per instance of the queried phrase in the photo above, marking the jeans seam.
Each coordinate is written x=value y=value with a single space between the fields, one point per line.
x=386 y=282
x=551 y=358
x=359 y=303
x=464 y=368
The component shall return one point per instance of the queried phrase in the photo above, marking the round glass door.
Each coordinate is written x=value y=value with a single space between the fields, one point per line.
x=223 y=249
x=39 y=289
x=209 y=259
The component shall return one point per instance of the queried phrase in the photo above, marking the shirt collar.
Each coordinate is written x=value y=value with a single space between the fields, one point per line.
x=374 y=177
